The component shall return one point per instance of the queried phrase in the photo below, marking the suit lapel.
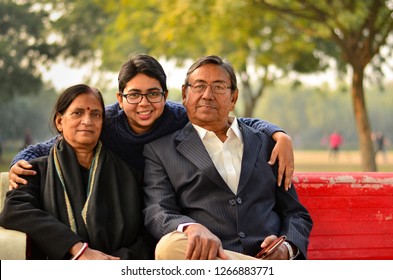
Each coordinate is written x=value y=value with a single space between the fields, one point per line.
x=251 y=151
x=191 y=147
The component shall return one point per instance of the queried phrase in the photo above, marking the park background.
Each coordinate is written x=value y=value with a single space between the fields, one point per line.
x=299 y=64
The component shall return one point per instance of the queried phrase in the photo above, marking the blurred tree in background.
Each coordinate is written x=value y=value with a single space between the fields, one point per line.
x=351 y=32
x=24 y=47
x=263 y=45
x=310 y=113
x=262 y=48
x=26 y=112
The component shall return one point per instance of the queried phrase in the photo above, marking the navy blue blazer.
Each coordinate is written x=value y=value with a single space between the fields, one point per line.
x=181 y=184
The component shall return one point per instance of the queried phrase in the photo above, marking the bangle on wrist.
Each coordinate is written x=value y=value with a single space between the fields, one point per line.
x=292 y=256
x=81 y=251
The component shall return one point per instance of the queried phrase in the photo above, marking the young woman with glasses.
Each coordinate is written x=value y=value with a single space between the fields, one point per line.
x=143 y=114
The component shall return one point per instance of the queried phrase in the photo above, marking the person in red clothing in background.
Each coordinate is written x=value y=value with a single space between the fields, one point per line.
x=335 y=142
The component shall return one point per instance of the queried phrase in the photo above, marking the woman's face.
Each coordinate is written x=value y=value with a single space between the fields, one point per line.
x=143 y=115
x=81 y=123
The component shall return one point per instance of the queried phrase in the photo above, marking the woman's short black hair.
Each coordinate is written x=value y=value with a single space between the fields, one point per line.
x=144 y=64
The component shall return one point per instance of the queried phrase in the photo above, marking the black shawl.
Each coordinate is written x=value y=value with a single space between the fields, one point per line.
x=57 y=210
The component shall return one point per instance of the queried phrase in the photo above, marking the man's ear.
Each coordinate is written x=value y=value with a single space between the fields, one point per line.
x=183 y=93
x=234 y=97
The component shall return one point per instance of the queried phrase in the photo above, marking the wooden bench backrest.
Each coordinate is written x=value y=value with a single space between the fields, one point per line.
x=4 y=183
x=352 y=214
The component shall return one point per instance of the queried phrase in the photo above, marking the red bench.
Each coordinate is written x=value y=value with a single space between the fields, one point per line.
x=352 y=214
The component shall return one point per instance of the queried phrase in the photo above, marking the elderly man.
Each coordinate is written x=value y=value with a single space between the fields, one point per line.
x=209 y=190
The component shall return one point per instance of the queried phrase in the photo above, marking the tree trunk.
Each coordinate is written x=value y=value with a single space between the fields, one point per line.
x=246 y=94
x=362 y=122
x=248 y=104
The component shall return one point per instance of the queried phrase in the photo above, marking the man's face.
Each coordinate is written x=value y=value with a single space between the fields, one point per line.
x=209 y=109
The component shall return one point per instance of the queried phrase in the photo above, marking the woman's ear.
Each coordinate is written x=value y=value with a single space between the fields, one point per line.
x=120 y=99
x=59 y=122
x=165 y=95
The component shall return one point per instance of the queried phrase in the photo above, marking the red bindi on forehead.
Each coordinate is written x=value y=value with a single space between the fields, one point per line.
x=88 y=108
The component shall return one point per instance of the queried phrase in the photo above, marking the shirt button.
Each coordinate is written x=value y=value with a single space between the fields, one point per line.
x=242 y=234
x=232 y=202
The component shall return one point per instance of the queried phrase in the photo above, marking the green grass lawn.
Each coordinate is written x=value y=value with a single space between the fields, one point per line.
x=347 y=161
x=5 y=160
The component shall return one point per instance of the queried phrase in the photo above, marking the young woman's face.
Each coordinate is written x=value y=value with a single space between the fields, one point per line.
x=142 y=116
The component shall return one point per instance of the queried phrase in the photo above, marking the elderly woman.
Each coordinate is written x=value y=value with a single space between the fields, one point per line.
x=84 y=202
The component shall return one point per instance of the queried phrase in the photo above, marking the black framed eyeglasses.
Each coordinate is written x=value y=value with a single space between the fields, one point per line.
x=136 y=98
x=217 y=87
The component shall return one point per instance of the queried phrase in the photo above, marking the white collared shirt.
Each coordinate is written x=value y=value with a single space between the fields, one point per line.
x=227 y=156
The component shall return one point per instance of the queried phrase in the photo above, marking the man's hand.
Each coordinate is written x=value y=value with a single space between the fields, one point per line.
x=283 y=152
x=202 y=244
x=281 y=253
x=22 y=167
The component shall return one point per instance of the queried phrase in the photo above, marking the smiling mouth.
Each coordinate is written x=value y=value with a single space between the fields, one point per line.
x=144 y=113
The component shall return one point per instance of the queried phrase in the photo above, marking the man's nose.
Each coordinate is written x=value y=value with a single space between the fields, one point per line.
x=208 y=93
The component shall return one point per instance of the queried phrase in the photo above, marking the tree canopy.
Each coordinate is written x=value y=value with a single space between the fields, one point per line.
x=24 y=47
x=261 y=47
x=357 y=30
x=178 y=30
x=265 y=40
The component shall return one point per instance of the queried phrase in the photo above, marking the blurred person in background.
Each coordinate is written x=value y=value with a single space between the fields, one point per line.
x=380 y=142
x=335 y=142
